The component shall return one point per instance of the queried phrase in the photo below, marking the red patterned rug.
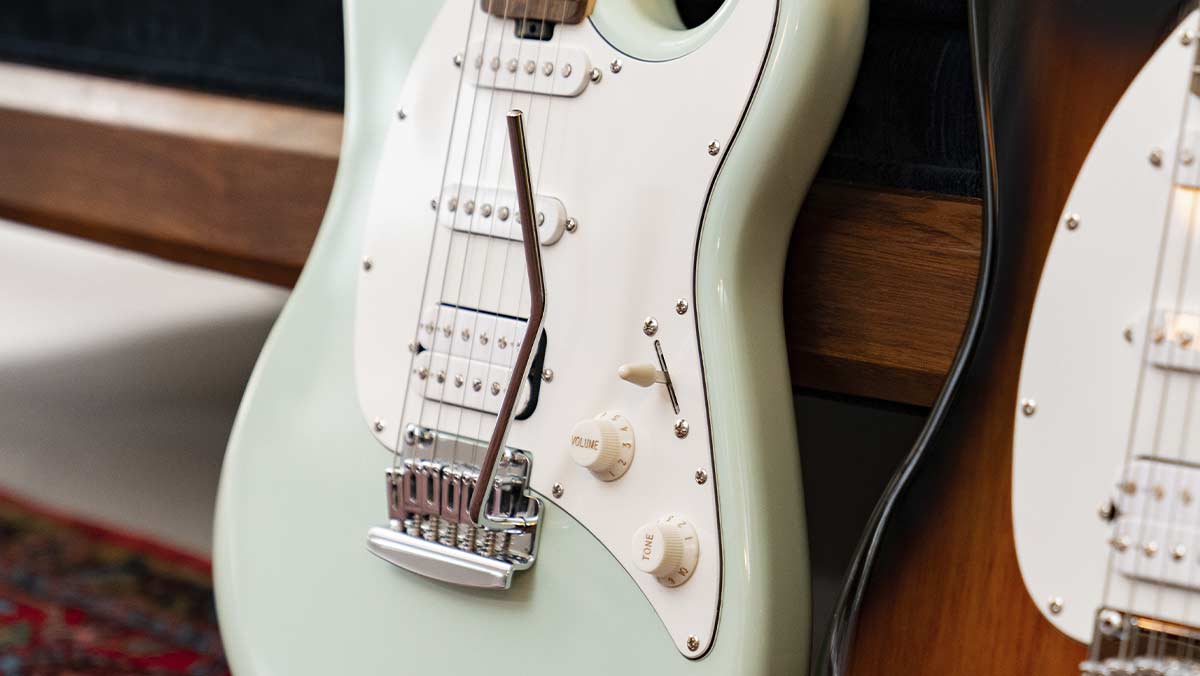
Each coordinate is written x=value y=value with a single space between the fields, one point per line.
x=77 y=600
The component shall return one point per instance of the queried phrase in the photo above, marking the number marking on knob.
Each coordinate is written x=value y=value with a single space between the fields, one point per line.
x=603 y=445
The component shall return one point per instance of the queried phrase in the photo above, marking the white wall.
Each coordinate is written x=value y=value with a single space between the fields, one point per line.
x=119 y=378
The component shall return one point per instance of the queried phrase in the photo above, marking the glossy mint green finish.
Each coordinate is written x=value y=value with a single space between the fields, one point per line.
x=651 y=30
x=297 y=592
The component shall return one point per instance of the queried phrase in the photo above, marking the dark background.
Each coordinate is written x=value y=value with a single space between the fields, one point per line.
x=910 y=123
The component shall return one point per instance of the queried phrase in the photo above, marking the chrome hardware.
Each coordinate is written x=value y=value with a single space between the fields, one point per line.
x=1055 y=606
x=681 y=306
x=458 y=59
x=533 y=328
x=615 y=66
x=1028 y=407
x=367 y=264
x=556 y=490
x=1156 y=157
x=714 y=147
x=1072 y=221
x=701 y=477
x=431 y=531
x=681 y=428
x=1130 y=645
x=401 y=114
x=595 y=75
x=693 y=643
x=650 y=326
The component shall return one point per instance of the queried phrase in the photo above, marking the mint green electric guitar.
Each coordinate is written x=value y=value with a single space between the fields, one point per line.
x=527 y=410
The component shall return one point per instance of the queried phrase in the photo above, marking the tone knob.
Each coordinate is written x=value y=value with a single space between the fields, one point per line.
x=603 y=445
x=668 y=549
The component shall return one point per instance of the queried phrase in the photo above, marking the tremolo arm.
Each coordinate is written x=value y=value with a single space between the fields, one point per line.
x=440 y=527
x=537 y=310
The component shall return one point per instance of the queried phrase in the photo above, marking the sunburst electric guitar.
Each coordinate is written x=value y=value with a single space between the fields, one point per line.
x=1056 y=526
x=527 y=409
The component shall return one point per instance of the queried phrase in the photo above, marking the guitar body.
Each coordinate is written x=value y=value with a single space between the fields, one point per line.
x=977 y=571
x=682 y=179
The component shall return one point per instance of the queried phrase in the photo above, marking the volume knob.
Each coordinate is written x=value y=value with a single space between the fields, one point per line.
x=668 y=549
x=603 y=445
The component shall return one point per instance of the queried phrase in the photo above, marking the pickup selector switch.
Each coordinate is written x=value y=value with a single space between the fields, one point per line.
x=668 y=549
x=603 y=445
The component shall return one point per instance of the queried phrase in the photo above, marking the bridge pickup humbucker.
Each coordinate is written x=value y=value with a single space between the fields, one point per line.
x=1175 y=341
x=1156 y=523
x=513 y=66
x=477 y=336
x=462 y=382
x=491 y=212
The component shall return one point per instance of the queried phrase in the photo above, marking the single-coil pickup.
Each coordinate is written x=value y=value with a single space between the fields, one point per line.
x=475 y=336
x=1175 y=341
x=1156 y=529
x=492 y=212
x=514 y=65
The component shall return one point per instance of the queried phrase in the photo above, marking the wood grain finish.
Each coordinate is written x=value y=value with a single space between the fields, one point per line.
x=947 y=595
x=878 y=282
x=878 y=288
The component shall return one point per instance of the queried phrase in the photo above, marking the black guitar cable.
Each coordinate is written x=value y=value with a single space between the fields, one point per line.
x=839 y=640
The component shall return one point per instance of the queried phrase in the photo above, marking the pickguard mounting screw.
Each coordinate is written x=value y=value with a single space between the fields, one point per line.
x=693 y=643
x=650 y=326
x=1186 y=157
x=556 y=490
x=378 y=425
x=367 y=264
x=595 y=75
x=1055 y=605
x=547 y=375
x=1028 y=407
x=701 y=477
x=714 y=147
x=1107 y=511
x=682 y=428
x=402 y=114
x=433 y=204
x=458 y=59
x=615 y=65
x=1072 y=221
x=681 y=306
x=1128 y=334
x=572 y=225
x=1187 y=38
x=1156 y=157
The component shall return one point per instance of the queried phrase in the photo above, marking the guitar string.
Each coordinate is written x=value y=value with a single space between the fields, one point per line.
x=492 y=240
x=471 y=238
x=1168 y=380
x=1135 y=418
x=431 y=377
x=400 y=453
x=480 y=420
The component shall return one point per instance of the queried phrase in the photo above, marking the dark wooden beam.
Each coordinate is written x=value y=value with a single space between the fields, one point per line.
x=878 y=282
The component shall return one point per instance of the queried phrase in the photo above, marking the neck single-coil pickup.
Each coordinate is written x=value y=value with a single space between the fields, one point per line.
x=514 y=65
x=494 y=213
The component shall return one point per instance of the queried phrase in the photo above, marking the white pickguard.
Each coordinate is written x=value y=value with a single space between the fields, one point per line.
x=628 y=158
x=1080 y=371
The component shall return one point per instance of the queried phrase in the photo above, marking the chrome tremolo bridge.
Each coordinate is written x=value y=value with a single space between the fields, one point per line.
x=430 y=529
x=470 y=520
x=1125 y=644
